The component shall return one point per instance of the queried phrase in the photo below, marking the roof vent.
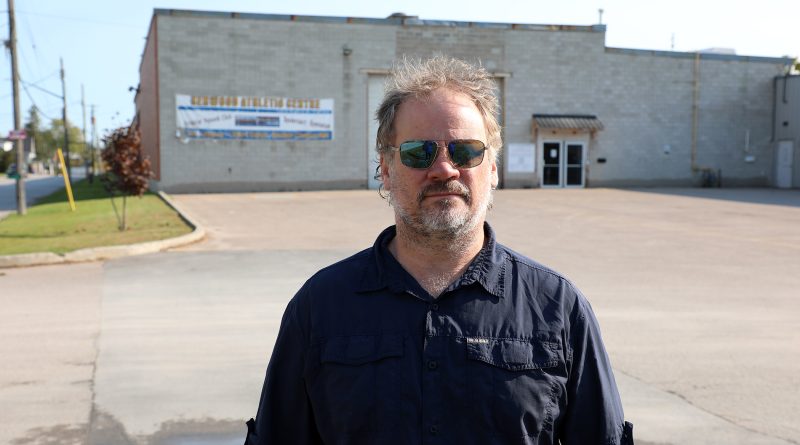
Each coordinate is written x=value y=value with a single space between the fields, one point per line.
x=402 y=15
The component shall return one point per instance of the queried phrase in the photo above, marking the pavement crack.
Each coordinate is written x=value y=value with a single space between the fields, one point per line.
x=96 y=344
x=705 y=410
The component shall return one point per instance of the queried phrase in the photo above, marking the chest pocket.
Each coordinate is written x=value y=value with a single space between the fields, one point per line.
x=516 y=385
x=355 y=378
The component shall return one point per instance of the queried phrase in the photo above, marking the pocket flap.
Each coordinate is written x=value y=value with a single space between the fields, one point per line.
x=360 y=349
x=513 y=354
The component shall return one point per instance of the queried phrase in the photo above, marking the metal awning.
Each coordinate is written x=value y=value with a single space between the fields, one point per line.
x=586 y=122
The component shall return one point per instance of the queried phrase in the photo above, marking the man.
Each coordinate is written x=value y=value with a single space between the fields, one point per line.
x=438 y=334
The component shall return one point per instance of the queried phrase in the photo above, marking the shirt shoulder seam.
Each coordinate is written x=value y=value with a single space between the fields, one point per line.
x=518 y=258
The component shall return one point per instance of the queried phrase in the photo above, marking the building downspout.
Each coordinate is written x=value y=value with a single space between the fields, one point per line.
x=695 y=94
x=774 y=106
x=708 y=174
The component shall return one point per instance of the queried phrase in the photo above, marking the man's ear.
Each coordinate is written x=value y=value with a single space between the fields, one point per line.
x=495 y=179
x=384 y=168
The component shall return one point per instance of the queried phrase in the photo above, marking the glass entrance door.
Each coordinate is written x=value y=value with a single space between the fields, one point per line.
x=574 y=165
x=551 y=164
x=562 y=164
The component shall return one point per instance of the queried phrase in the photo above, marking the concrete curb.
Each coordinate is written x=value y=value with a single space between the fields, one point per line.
x=109 y=252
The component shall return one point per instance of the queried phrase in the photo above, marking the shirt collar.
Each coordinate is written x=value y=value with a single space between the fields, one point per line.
x=383 y=271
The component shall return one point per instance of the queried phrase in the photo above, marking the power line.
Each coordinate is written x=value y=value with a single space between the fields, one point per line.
x=42 y=89
x=25 y=60
x=33 y=45
x=54 y=73
x=34 y=102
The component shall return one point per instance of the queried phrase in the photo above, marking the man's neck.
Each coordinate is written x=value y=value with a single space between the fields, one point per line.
x=435 y=263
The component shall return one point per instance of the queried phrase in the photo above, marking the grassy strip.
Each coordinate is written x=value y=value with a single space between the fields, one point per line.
x=50 y=225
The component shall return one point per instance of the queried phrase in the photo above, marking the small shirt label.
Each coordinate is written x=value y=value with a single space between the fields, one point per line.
x=477 y=340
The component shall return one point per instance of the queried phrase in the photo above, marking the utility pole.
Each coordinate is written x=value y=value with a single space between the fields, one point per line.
x=94 y=146
x=66 y=124
x=85 y=143
x=22 y=170
x=600 y=13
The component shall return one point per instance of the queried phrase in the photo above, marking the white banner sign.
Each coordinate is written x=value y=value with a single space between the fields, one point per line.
x=521 y=158
x=254 y=117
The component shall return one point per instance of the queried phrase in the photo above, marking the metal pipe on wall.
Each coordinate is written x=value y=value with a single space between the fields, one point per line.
x=708 y=174
x=695 y=94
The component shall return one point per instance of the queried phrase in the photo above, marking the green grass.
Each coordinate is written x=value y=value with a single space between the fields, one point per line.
x=50 y=225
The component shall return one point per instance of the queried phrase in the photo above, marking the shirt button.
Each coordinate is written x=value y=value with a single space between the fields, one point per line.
x=434 y=429
x=433 y=365
x=435 y=307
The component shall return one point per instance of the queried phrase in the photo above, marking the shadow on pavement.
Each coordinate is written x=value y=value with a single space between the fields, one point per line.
x=769 y=196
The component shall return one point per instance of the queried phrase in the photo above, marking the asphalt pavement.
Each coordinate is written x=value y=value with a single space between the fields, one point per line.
x=695 y=290
x=36 y=186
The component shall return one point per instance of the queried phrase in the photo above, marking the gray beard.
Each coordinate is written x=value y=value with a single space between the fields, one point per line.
x=441 y=223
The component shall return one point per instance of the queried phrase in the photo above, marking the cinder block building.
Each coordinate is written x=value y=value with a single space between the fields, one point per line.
x=259 y=102
x=786 y=132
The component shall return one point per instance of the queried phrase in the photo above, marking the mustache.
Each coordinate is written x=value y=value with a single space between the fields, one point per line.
x=445 y=187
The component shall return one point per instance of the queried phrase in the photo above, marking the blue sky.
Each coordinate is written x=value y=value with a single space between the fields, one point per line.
x=101 y=42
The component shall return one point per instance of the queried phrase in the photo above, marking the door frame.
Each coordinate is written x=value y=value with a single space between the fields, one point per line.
x=564 y=143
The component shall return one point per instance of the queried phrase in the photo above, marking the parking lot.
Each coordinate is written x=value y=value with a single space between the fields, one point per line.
x=696 y=291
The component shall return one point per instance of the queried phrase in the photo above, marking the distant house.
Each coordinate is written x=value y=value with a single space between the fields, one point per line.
x=251 y=102
x=29 y=145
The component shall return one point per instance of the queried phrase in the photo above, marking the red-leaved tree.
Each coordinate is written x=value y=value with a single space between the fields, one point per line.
x=127 y=170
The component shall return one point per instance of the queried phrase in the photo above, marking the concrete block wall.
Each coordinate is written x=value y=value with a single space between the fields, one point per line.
x=486 y=46
x=787 y=118
x=225 y=56
x=648 y=120
x=735 y=120
x=645 y=104
x=550 y=72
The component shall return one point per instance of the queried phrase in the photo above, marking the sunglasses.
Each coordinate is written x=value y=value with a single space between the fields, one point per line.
x=464 y=153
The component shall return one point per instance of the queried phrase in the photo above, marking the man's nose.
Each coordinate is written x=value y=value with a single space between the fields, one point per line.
x=442 y=169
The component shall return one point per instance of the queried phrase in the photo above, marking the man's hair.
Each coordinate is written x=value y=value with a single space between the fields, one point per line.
x=419 y=78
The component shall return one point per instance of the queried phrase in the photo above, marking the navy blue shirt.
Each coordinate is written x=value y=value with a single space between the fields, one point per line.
x=510 y=353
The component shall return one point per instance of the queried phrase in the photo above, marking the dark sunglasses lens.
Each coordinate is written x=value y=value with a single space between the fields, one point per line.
x=466 y=153
x=417 y=154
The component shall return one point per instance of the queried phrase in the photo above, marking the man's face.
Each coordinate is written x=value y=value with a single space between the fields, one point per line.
x=443 y=200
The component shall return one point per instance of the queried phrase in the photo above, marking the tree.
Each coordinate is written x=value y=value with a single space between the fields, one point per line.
x=34 y=125
x=127 y=170
x=49 y=139
x=53 y=138
x=33 y=128
x=6 y=159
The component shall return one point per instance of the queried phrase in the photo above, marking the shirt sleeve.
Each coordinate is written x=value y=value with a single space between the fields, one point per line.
x=594 y=413
x=284 y=412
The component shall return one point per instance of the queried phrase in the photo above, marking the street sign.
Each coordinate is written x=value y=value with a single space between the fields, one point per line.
x=17 y=135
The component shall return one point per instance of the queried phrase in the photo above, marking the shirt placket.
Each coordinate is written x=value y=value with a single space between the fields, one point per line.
x=433 y=404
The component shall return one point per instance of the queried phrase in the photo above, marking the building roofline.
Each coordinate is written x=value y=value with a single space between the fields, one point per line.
x=409 y=20
x=703 y=56
x=393 y=21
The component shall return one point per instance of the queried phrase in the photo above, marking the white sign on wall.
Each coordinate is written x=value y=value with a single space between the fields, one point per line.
x=521 y=158
x=254 y=117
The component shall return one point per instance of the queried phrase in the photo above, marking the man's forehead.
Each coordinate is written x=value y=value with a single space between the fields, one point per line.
x=441 y=96
x=443 y=114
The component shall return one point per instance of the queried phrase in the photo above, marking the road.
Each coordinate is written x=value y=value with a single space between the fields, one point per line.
x=36 y=186
x=695 y=291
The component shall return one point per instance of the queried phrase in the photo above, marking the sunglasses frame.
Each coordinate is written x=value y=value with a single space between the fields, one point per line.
x=450 y=148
